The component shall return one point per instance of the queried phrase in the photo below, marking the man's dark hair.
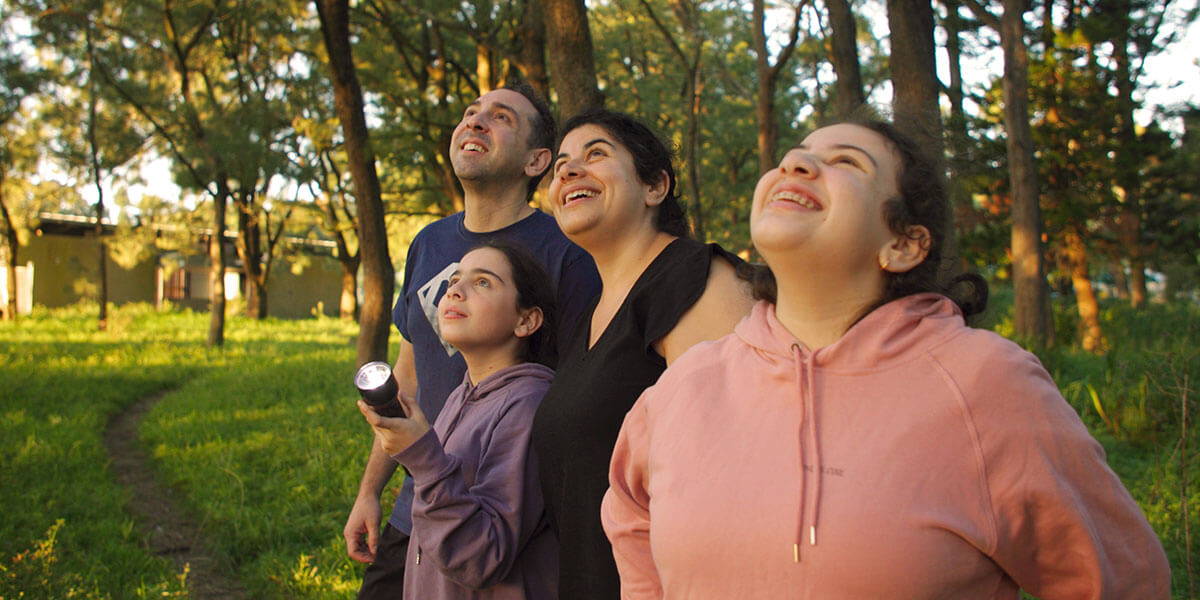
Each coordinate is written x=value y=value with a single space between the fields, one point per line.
x=543 y=131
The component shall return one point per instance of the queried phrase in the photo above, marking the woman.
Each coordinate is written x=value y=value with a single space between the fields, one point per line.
x=613 y=193
x=854 y=438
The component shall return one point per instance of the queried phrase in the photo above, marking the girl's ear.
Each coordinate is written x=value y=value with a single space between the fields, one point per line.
x=658 y=190
x=530 y=322
x=906 y=251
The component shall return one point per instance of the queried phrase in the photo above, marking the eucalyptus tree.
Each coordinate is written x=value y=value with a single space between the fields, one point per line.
x=1032 y=319
x=643 y=76
x=320 y=163
x=196 y=75
x=572 y=62
x=843 y=53
x=91 y=135
x=767 y=76
x=372 y=234
x=1134 y=30
x=915 y=85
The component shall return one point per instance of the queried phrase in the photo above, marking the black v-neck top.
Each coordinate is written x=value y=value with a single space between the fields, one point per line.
x=578 y=421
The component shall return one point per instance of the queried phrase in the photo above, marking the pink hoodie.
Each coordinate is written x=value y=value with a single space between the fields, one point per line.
x=913 y=458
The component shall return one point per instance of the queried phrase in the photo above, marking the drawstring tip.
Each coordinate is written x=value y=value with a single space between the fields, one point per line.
x=812 y=535
x=796 y=552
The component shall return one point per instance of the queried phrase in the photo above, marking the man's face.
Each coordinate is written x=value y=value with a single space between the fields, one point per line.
x=492 y=140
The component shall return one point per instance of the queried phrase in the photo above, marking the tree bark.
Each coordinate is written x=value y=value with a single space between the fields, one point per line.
x=216 y=268
x=916 y=88
x=1090 y=334
x=378 y=273
x=249 y=248
x=531 y=47
x=1128 y=159
x=572 y=62
x=843 y=52
x=1031 y=319
x=768 y=80
x=914 y=73
x=10 y=266
x=94 y=155
x=348 y=305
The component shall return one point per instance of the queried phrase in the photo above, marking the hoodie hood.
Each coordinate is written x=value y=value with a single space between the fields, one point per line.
x=887 y=335
x=896 y=332
x=502 y=377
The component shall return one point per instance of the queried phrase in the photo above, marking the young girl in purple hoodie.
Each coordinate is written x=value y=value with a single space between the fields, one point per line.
x=480 y=528
x=854 y=438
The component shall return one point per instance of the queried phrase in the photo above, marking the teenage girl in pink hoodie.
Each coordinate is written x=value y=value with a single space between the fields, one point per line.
x=854 y=438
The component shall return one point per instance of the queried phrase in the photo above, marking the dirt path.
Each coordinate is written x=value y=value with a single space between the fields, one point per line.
x=166 y=529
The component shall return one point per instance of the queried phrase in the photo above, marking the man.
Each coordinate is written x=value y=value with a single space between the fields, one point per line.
x=500 y=151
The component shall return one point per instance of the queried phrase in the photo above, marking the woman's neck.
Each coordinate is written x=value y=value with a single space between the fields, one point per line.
x=819 y=305
x=621 y=260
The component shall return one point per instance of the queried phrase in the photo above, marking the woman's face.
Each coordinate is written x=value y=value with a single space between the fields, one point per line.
x=594 y=187
x=826 y=198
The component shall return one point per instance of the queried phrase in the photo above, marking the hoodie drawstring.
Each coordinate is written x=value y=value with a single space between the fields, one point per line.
x=810 y=445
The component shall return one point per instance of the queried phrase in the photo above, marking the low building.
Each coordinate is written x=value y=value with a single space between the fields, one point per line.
x=60 y=267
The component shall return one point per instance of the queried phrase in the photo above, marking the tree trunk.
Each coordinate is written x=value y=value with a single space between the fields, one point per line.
x=695 y=87
x=249 y=247
x=1031 y=318
x=764 y=106
x=914 y=73
x=957 y=135
x=1129 y=158
x=348 y=304
x=915 y=104
x=843 y=52
x=216 y=268
x=531 y=44
x=1120 y=281
x=1090 y=335
x=94 y=155
x=378 y=273
x=10 y=266
x=572 y=63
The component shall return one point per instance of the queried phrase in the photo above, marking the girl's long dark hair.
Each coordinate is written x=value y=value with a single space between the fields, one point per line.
x=534 y=289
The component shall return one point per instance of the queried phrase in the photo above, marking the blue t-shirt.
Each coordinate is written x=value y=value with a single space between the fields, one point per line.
x=432 y=258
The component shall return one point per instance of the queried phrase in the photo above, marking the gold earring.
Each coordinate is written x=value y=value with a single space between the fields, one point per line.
x=885 y=263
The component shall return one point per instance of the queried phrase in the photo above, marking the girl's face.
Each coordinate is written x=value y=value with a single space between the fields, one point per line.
x=594 y=186
x=479 y=309
x=826 y=199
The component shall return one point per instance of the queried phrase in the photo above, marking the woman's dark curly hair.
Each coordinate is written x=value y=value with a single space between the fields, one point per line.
x=650 y=157
x=921 y=201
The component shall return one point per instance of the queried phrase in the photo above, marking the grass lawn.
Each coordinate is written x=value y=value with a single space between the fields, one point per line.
x=262 y=442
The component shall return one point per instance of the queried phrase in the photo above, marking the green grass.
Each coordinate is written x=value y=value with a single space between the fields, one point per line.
x=263 y=443
x=261 y=438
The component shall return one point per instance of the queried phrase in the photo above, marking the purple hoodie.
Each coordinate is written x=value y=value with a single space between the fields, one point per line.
x=479 y=525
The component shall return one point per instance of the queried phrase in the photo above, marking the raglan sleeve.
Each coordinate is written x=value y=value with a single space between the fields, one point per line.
x=625 y=511
x=1066 y=527
x=473 y=533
